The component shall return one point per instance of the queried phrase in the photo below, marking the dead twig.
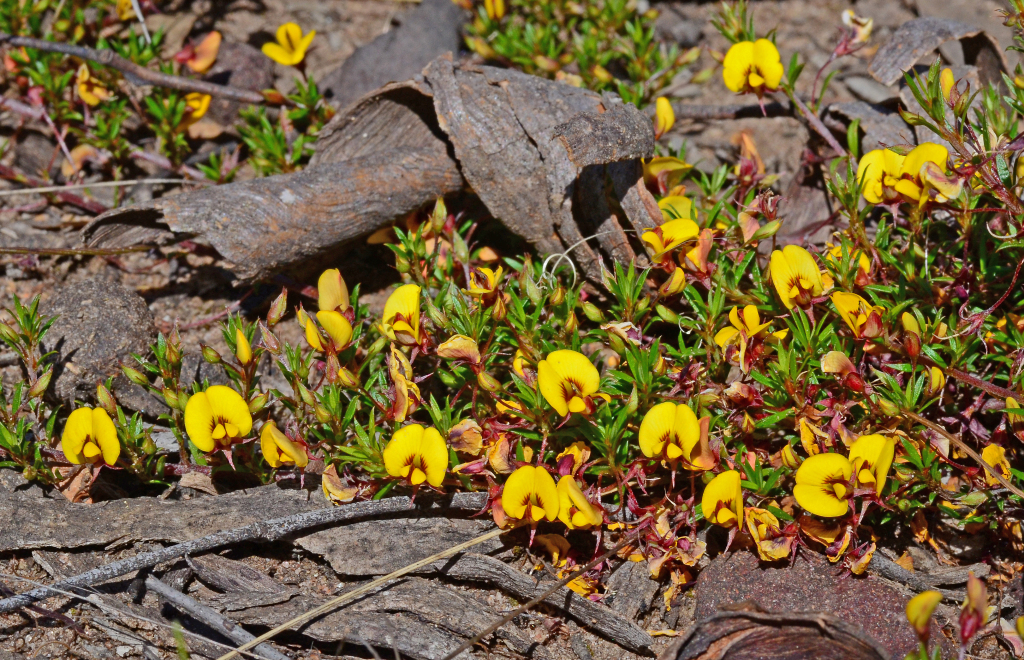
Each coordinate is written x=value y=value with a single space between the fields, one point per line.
x=267 y=530
x=210 y=617
x=85 y=204
x=701 y=112
x=135 y=73
x=100 y=184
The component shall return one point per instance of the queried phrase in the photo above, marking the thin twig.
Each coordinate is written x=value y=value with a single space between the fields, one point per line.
x=76 y=252
x=20 y=108
x=818 y=127
x=210 y=617
x=264 y=530
x=101 y=184
x=335 y=603
x=132 y=70
x=996 y=474
x=85 y=204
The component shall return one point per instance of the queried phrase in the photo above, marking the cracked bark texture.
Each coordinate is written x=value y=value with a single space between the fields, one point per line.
x=400 y=147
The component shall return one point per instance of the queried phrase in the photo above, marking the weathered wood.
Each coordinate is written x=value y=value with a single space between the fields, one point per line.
x=598 y=618
x=211 y=618
x=618 y=132
x=264 y=530
x=243 y=586
x=631 y=589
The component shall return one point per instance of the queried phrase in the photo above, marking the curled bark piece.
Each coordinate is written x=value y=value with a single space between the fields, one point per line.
x=403 y=146
x=915 y=39
x=789 y=636
x=880 y=126
x=621 y=132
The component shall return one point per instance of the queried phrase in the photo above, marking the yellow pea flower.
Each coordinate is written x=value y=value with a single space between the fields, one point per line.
x=291 y=45
x=125 y=10
x=483 y=281
x=919 y=612
x=332 y=292
x=722 y=502
x=217 y=418
x=910 y=183
x=567 y=380
x=796 y=276
x=578 y=451
x=90 y=437
x=764 y=528
x=418 y=454
x=823 y=485
x=675 y=283
x=871 y=457
x=530 y=494
x=789 y=457
x=243 y=351
x=936 y=381
x=879 y=171
x=196 y=104
x=995 y=456
x=665 y=171
x=401 y=320
x=742 y=328
x=337 y=327
x=280 y=450
x=947 y=81
x=336 y=489
x=574 y=509
x=519 y=364
x=664 y=117
x=90 y=90
x=672 y=432
x=863 y=318
x=752 y=66
x=673 y=233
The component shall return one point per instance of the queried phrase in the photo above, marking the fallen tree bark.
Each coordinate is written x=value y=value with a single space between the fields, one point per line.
x=268 y=530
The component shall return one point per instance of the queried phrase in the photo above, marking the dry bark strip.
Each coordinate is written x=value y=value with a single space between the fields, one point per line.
x=263 y=530
x=921 y=36
x=243 y=586
x=404 y=145
x=789 y=636
x=417 y=617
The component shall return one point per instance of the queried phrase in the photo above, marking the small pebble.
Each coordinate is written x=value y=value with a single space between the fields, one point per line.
x=123 y=651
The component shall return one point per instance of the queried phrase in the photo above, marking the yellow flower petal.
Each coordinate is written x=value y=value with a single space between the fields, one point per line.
x=737 y=63
x=566 y=375
x=417 y=453
x=722 y=502
x=404 y=302
x=574 y=509
x=873 y=454
x=821 y=485
x=530 y=494
x=920 y=609
x=337 y=328
x=332 y=292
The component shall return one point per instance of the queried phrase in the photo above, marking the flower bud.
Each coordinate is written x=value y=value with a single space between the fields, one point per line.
x=270 y=340
x=499 y=311
x=557 y=296
x=888 y=407
x=171 y=398
x=106 y=399
x=593 y=312
x=601 y=74
x=912 y=344
x=660 y=366
x=642 y=306
x=278 y=308
x=401 y=264
x=439 y=216
x=8 y=334
x=210 y=354
x=183 y=398
x=173 y=353
x=322 y=414
x=306 y=395
x=533 y=292
x=135 y=376
x=947 y=82
x=666 y=314
x=488 y=382
x=459 y=248
x=854 y=381
x=148 y=446
x=347 y=379
x=435 y=314
x=243 y=350
x=376 y=347
x=748 y=425
x=616 y=343
x=789 y=457
x=39 y=387
x=919 y=612
x=259 y=402
x=29 y=473
x=571 y=324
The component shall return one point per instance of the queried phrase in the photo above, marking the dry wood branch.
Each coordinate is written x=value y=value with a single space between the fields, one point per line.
x=69 y=198
x=133 y=71
x=210 y=617
x=268 y=530
x=889 y=569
